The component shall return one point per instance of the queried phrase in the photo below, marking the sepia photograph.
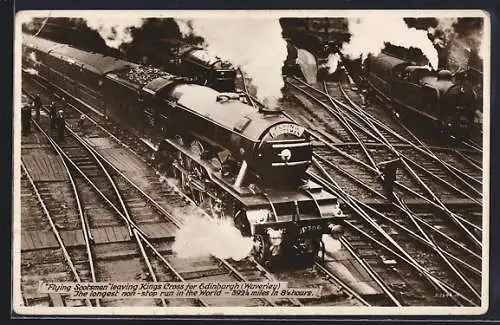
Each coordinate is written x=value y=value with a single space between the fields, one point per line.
x=256 y=162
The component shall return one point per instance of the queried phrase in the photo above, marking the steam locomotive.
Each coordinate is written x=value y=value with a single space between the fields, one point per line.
x=190 y=61
x=434 y=95
x=320 y=37
x=234 y=160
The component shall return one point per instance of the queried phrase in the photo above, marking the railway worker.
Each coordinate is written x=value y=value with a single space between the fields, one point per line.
x=25 y=119
x=52 y=115
x=37 y=105
x=60 y=125
x=389 y=172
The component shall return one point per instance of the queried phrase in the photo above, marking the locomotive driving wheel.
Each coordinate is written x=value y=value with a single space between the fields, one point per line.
x=194 y=181
x=175 y=157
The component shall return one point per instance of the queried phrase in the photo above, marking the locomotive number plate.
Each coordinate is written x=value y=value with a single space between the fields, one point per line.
x=286 y=128
x=311 y=228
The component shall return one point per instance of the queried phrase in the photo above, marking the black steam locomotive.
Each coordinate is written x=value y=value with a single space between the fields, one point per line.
x=321 y=37
x=234 y=160
x=190 y=61
x=434 y=95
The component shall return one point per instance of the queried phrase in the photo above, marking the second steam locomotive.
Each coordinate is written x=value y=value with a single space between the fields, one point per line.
x=234 y=160
x=434 y=95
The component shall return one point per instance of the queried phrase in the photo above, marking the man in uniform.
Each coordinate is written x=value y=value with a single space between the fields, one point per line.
x=52 y=115
x=389 y=172
x=60 y=125
x=25 y=119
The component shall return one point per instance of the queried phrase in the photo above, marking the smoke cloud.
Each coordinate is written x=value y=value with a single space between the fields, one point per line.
x=202 y=236
x=114 y=31
x=369 y=35
x=459 y=41
x=255 y=45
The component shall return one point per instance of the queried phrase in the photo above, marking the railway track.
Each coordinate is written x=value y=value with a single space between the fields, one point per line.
x=338 y=165
x=213 y=267
x=425 y=174
x=113 y=194
x=329 y=279
x=388 y=297
x=420 y=272
x=51 y=263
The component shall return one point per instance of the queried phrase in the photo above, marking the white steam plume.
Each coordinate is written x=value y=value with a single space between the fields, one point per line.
x=333 y=62
x=331 y=245
x=255 y=45
x=114 y=31
x=202 y=236
x=308 y=65
x=368 y=35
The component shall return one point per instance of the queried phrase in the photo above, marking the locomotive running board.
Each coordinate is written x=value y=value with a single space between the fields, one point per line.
x=243 y=194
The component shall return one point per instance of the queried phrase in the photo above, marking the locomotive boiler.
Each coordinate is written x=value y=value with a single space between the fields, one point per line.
x=234 y=160
x=434 y=95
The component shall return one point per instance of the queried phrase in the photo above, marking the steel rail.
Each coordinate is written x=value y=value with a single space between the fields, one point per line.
x=328 y=273
x=415 y=176
x=441 y=254
x=385 y=143
x=54 y=229
x=344 y=286
x=160 y=209
x=400 y=207
x=434 y=281
x=427 y=240
x=425 y=147
x=330 y=146
x=325 y=106
x=438 y=250
x=366 y=116
x=354 y=205
x=401 y=138
x=87 y=235
x=233 y=270
x=395 y=151
x=133 y=226
x=374 y=275
x=471 y=162
x=471 y=144
x=128 y=220
x=346 y=124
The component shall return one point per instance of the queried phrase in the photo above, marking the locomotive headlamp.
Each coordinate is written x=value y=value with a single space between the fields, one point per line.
x=285 y=154
x=336 y=231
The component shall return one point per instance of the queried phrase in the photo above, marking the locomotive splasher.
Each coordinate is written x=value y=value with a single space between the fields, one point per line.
x=235 y=161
